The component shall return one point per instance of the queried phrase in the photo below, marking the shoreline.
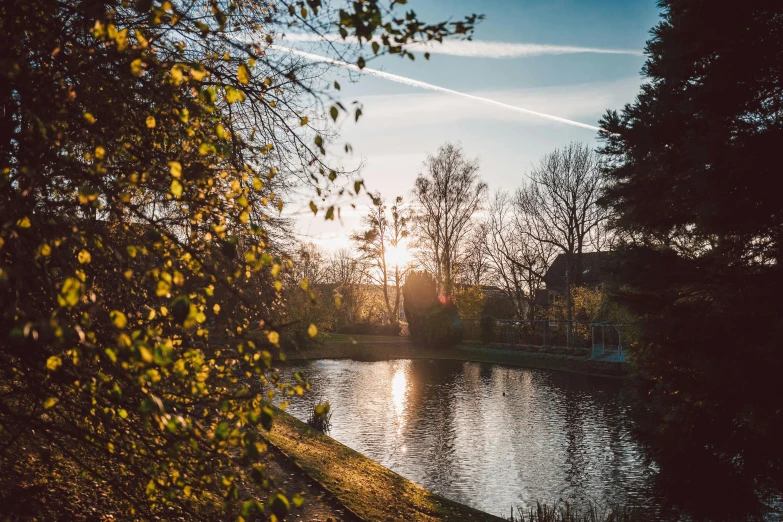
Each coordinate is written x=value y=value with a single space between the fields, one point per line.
x=366 y=489
x=400 y=348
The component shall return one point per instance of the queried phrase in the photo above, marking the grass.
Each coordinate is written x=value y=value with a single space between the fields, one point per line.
x=364 y=487
x=364 y=338
x=565 y=512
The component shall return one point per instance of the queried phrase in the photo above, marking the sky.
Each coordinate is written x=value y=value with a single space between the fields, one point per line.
x=586 y=57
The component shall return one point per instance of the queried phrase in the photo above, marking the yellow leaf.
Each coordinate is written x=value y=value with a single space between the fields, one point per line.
x=303 y=121
x=146 y=354
x=243 y=74
x=45 y=250
x=70 y=292
x=278 y=285
x=136 y=67
x=100 y=152
x=176 y=74
x=142 y=41
x=216 y=308
x=150 y=122
x=198 y=74
x=162 y=289
x=89 y=117
x=23 y=223
x=48 y=403
x=312 y=331
x=243 y=217
x=234 y=95
x=119 y=319
x=84 y=257
x=53 y=362
x=122 y=39
x=176 y=169
x=273 y=337
x=176 y=188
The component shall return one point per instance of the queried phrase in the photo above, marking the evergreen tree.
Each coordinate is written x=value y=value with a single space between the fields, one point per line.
x=695 y=187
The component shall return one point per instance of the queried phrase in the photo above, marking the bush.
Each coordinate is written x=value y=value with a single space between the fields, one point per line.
x=486 y=328
x=431 y=321
x=320 y=417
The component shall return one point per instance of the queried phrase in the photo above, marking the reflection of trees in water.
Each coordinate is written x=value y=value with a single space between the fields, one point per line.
x=449 y=427
x=431 y=436
x=576 y=453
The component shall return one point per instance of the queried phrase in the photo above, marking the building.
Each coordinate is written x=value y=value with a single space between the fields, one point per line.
x=594 y=274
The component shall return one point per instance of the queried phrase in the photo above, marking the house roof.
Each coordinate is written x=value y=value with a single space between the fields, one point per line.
x=593 y=271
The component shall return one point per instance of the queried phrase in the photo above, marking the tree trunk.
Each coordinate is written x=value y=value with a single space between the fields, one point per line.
x=396 y=316
x=569 y=306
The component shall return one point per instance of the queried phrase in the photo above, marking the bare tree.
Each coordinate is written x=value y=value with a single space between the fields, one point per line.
x=309 y=264
x=345 y=272
x=398 y=231
x=374 y=243
x=474 y=265
x=447 y=196
x=517 y=261
x=559 y=206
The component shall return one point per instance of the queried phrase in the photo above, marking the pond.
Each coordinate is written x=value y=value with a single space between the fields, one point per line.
x=485 y=435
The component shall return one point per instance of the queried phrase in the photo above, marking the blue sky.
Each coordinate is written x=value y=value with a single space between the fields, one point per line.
x=402 y=123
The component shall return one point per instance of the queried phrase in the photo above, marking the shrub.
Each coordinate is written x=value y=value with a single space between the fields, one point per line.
x=486 y=328
x=431 y=321
x=320 y=417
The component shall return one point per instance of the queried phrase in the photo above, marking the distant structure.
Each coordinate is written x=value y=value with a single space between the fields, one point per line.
x=593 y=275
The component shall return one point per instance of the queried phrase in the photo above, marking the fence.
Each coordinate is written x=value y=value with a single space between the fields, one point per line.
x=601 y=341
x=607 y=341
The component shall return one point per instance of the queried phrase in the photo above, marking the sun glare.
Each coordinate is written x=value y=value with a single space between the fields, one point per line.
x=397 y=256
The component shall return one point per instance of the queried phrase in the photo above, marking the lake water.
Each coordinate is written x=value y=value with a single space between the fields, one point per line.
x=486 y=435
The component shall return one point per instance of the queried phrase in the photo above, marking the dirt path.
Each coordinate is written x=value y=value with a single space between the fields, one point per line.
x=319 y=505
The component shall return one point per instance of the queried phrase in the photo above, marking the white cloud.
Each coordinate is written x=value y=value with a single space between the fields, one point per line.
x=475 y=48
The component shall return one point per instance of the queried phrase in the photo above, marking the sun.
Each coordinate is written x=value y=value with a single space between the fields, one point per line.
x=397 y=255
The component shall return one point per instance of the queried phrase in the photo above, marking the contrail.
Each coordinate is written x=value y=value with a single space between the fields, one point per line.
x=474 y=48
x=431 y=87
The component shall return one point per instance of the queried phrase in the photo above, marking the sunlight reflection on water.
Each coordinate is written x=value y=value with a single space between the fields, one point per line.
x=486 y=435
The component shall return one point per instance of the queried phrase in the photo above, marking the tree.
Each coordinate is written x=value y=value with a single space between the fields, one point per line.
x=380 y=246
x=346 y=274
x=694 y=183
x=447 y=196
x=559 y=207
x=432 y=320
x=398 y=232
x=372 y=244
x=142 y=146
x=518 y=262
x=474 y=264
x=310 y=264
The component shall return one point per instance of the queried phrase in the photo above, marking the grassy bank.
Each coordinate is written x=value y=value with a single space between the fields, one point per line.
x=367 y=489
x=378 y=348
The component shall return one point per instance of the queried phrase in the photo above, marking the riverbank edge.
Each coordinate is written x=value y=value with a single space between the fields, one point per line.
x=365 y=488
x=471 y=352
